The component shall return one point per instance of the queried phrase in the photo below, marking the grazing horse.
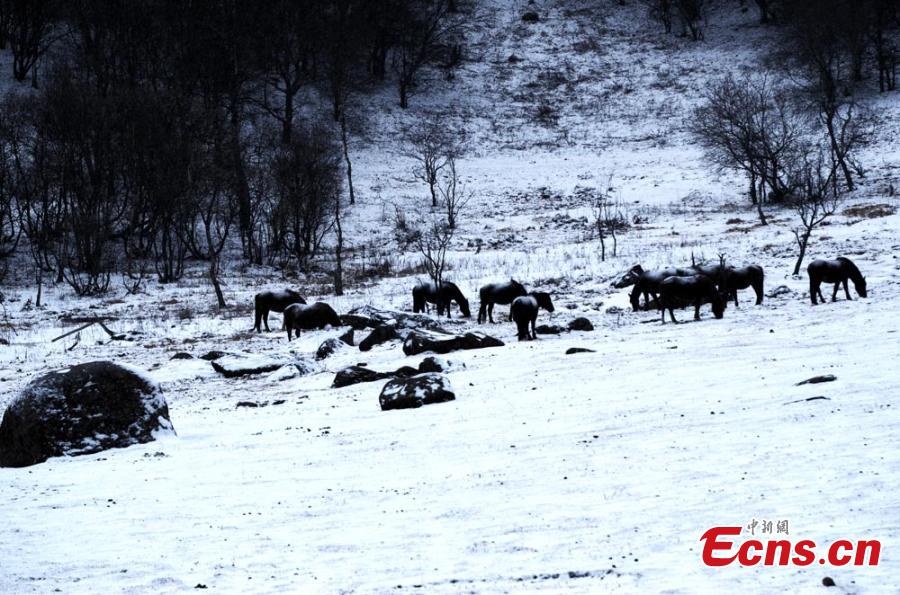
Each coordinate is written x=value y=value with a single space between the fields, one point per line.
x=498 y=293
x=733 y=279
x=835 y=271
x=275 y=301
x=301 y=316
x=648 y=284
x=425 y=293
x=698 y=289
x=524 y=310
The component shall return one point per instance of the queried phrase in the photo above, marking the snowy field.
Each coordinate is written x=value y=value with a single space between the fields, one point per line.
x=552 y=473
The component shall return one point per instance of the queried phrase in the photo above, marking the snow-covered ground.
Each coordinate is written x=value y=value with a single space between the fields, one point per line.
x=589 y=472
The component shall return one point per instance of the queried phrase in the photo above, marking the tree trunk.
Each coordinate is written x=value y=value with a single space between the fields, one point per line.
x=40 y=284
x=345 y=142
x=287 y=126
x=242 y=187
x=804 y=242
x=338 y=251
x=214 y=277
x=835 y=150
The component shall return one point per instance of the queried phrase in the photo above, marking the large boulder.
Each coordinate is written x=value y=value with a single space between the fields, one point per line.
x=356 y=374
x=371 y=317
x=420 y=341
x=548 y=329
x=581 y=324
x=329 y=347
x=382 y=334
x=81 y=410
x=246 y=364
x=415 y=391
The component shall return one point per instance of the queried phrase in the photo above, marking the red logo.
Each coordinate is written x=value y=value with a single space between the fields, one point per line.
x=721 y=548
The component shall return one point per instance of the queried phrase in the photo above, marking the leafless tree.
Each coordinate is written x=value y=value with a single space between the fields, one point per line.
x=609 y=218
x=454 y=195
x=818 y=198
x=752 y=127
x=429 y=143
x=432 y=244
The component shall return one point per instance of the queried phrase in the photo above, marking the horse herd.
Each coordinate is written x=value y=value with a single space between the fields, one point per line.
x=670 y=288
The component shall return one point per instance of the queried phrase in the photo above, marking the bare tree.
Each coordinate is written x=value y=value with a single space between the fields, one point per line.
x=453 y=194
x=28 y=30
x=818 y=199
x=418 y=36
x=429 y=144
x=752 y=127
x=432 y=243
x=609 y=218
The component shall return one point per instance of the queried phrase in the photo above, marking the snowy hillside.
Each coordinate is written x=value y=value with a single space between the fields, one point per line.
x=589 y=472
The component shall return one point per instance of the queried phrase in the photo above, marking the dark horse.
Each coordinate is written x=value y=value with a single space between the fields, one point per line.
x=732 y=279
x=275 y=301
x=835 y=271
x=302 y=317
x=425 y=293
x=696 y=289
x=648 y=283
x=524 y=310
x=498 y=293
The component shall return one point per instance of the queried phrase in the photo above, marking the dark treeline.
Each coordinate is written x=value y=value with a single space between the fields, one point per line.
x=866 y=30
x=148 y=132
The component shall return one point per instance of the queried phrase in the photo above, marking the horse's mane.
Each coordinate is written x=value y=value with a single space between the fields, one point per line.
x=855 y=273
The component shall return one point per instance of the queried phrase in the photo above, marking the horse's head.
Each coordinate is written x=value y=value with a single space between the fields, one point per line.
x=543 y=300
x=861 y=287
x=630 y=277
x=718 y=304
x=464 y=306
x=293 y=293
x=635 y=297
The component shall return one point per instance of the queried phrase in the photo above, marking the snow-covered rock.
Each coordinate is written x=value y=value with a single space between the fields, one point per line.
x=415 y=391
x=420 y=341
x=245 y=364
x=80 y=410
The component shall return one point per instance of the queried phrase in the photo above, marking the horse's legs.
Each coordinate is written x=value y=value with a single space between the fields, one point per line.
x=533 y=332
x=265 y=315
x=491 y=312
x=288 y=326
x=834 y=293
x=257 y=322
x=697 y=310
x=662 y=311
x=510 y=313
x=671 y=315
x=481 y=309
x=735 y=298
x=846 y=290
x=813 y=289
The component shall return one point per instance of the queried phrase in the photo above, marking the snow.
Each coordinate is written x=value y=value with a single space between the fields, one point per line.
x=549 y=472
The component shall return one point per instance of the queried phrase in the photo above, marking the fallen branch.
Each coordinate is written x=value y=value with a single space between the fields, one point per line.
x=98 y=321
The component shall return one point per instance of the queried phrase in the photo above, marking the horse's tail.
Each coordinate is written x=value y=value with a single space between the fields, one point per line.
x=257 y=318
x=418 y=300
x=759 y=277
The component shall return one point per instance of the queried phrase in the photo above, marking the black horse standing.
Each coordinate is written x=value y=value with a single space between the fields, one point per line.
x=275 y=301
x=428 y=293
x=648 y=283
x=836 y=271
x=302 y=317
x=697 y=289
x=524 y=311
x=498 y=293
x=732 y=279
